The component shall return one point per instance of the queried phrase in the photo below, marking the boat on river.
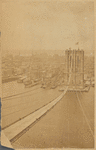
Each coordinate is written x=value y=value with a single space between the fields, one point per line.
x=87 y=83
x=31 y=85
x=93 y=83
x=44 y=86
x=21 y=79
x=27 y=81
x=54 y=86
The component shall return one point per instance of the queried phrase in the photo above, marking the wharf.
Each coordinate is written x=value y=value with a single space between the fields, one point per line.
x=9 y=79
x=86 y=89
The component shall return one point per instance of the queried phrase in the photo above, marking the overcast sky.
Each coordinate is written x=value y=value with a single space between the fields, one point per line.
x=33 y=25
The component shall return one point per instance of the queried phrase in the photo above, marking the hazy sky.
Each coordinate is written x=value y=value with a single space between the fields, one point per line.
x=33 y=25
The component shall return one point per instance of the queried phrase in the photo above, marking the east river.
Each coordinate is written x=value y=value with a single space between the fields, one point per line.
x=63 y=126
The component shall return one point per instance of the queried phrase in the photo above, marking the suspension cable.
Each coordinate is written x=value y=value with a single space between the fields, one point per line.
x=21 y=103
x=84 y=115
x=12 y=96
x=52 y=100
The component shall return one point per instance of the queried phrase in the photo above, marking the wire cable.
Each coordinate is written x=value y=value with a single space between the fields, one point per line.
x=12 y=96
x=21 y=103
x=52 y=100
x=84 y=115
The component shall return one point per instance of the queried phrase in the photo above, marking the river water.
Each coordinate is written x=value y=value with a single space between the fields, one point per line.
x=24 y=101
x=63 y=126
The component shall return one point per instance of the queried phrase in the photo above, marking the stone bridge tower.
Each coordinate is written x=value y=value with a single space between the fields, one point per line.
x=74 y=60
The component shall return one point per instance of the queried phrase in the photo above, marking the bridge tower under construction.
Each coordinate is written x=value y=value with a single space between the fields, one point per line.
x=74 y=65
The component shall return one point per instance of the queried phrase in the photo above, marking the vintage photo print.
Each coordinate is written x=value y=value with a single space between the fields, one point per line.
x=48 y=82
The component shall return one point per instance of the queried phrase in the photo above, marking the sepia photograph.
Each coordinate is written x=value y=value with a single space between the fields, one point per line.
x=48 y=74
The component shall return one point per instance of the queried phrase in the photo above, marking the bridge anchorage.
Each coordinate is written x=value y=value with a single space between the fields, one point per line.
x=74 y=66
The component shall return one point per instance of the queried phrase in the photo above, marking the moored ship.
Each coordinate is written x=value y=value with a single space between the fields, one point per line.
x=21 y=79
